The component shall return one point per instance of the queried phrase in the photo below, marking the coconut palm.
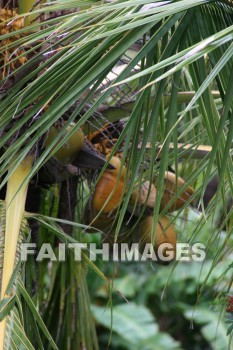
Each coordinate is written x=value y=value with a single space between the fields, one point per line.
x=161 y=74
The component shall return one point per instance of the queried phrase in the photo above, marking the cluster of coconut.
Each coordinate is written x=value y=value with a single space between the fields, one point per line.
x=101 y=211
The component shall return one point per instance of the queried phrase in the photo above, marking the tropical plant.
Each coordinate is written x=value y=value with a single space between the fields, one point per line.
x=161 y=74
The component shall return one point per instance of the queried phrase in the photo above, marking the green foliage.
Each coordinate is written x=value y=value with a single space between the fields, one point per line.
x=135 y=324
x=183 y=298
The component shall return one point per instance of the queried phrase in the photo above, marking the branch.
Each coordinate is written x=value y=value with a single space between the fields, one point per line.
x=187 y=150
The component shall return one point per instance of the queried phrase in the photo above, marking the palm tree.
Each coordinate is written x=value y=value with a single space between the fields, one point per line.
x=161 y=74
